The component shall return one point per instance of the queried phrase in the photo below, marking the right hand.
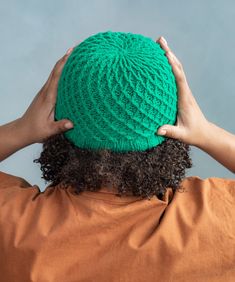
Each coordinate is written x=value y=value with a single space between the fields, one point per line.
x=191 y=125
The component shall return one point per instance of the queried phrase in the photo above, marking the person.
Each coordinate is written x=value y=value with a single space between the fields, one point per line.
x=86 y=227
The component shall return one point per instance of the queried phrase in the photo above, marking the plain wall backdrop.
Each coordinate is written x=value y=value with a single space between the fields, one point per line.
x=35 y=34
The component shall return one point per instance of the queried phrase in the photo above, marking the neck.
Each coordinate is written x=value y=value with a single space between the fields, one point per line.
x=110 y=188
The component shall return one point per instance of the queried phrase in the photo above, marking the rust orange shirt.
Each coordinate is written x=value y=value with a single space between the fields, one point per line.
x=58 y=236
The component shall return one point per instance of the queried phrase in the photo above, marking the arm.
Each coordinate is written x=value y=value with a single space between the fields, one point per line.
x=37 y=123
x=192 y=127
x=220 y=144
x=12 y=138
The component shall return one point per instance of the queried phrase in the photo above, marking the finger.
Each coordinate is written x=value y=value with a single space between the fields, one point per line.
x=175 y=59
x=165 y=46
x=45 y=86
x=69 y=51
x=163 y=43
x=61 y=126
x=56 y=73
x=171 y=131
x=171 y=57
x=59 y=66
x=177 y=70
x=48 y=80
x=42 y=91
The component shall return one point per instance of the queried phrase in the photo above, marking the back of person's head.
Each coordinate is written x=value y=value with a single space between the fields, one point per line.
x=117 y=88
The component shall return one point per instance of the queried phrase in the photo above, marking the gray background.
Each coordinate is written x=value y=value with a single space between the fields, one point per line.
x=34 y=34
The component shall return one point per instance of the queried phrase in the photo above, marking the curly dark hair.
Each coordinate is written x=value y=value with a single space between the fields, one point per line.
x=140 y=173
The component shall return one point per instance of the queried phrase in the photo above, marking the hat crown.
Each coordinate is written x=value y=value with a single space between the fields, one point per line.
x=118 y=89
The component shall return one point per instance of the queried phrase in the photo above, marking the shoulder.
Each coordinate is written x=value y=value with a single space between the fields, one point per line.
x=21 y=203
x=7 y=180
x=209 y=185
x=16 y=193
x=209 y=181
x=15 y=188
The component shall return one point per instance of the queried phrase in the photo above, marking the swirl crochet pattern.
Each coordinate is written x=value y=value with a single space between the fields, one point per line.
x=117 y=88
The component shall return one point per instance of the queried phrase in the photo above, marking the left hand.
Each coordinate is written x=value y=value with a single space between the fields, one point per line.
x=38 y=122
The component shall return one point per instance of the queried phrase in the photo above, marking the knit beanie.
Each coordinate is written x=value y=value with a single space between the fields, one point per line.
x=117 y=88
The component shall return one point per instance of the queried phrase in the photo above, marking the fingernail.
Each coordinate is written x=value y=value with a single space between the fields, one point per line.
x=162 y=131
x=164 y=40
x=69 y=51
x=68 y=125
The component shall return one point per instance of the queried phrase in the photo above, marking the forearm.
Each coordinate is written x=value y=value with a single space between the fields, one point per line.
x=219 y=144
x=12 y=138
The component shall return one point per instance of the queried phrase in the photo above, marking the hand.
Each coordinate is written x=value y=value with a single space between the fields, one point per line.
x=191 y=125
x=37 y=123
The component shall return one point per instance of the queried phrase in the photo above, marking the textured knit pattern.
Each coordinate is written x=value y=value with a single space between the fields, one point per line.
x=117 y=88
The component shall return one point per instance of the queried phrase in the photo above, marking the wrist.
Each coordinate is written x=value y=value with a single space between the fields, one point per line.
x=22 y=132
x=13 y=137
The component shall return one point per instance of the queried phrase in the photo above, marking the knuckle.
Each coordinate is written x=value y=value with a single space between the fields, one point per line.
x=64 y=58
x=168 y=53
x=180 y=76
x=57 y=64
x=53 y=76
x=179 y=79
x=56 y=72
x=169 y=133
x=180 y=65
x=171 y=57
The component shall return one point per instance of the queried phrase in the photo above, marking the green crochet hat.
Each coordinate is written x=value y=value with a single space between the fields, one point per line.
x=117 y=88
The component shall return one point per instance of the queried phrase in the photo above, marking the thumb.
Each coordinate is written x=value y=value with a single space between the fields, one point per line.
x=62 y=125
x=171 y=131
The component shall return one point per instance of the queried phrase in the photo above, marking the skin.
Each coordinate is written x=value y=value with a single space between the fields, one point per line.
x=37 y=123
x=192 y=127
